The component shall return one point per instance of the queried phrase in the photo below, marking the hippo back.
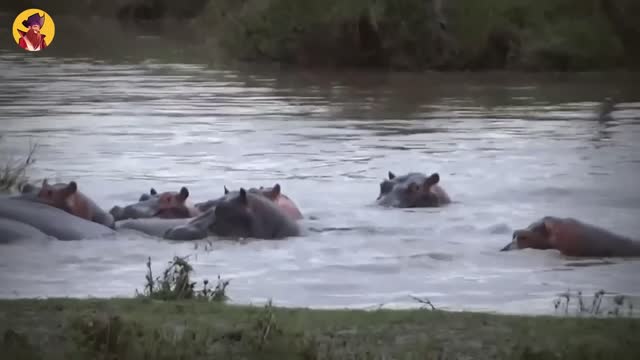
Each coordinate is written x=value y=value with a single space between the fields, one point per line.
x=270 y=222
x=50 y=220
x=602 y=242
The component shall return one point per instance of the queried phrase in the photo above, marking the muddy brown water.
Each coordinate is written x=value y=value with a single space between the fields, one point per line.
x=509 y=149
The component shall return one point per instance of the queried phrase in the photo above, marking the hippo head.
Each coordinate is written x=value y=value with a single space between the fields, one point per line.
x=169 y=205
x=57 y=194
x=29 y=189
x=409 y=191
x=233 y=217
x=271 y=193
x=145 y=197
x=535 y=236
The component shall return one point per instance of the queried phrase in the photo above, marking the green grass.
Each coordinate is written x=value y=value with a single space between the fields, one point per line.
x=198 y=324
x=152 y=329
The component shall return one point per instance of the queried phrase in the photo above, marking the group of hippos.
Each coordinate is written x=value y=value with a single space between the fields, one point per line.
x=61 y=211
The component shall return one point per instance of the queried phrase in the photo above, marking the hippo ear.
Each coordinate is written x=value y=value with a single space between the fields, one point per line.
x=71 y=188
x=549 y=224
x=391 y=175
x=226 y=191
x=153 y=192
x=275 y=191
x=243 y=197
x=184 y=193
x=432 y=180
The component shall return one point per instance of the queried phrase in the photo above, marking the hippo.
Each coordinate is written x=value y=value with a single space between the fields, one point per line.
x=573 y=238
x=29 y=189
x=29 y=210
x=151 y=226
x=67 y=197
x=283 y=201
x=206 y=205
x=273 y=193
x=413 y=190
x=166 y=205
x=241 y=214
x=152 y=194
x=196 y=229
x=13 y=230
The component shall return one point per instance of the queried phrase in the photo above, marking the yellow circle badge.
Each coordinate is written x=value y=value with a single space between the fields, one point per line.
x=33 y=29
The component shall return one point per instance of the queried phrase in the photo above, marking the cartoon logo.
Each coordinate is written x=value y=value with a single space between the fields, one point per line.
x=33 y=29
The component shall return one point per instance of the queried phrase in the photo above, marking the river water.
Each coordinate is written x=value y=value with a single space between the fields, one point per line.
x=509 y=148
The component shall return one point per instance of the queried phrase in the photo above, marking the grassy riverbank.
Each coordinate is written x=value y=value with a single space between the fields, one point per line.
x=566 y=35
x=170 y=319
x=144 y=328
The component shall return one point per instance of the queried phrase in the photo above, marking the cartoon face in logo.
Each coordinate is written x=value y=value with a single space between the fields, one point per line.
x=33 y=30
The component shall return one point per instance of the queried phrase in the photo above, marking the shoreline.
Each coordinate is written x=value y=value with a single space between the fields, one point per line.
x=138 y=328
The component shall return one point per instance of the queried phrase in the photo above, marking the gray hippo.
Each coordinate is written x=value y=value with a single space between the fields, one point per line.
x=13 y=230
x=206 y=205
x=152 y=226
x=27 y=209
x=152 y=193
x=275 y=194
x=412 y=190
x=67 y=197
x=272 y=193
x=183 y=228
x=241 y=214
x=166 y=205
x=573 y=238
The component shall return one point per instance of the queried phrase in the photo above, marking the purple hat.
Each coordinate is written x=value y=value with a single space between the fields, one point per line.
x=34 y=19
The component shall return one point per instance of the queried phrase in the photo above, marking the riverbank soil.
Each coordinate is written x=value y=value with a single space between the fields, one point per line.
x=151 y=329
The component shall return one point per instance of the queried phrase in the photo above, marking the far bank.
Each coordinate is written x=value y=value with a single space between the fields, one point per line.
x=408 y=35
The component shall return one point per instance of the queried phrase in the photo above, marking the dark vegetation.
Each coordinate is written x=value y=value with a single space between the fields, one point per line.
x=13 y=175
x=565 y=35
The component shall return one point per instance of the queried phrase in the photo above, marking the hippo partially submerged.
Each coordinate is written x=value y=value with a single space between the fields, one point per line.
x=167 y=205
x=26 y=216
x=67 y=197
x=241 y=214
x=413 y=190
x=13 y=230
x=573 y=238
x=281 y=200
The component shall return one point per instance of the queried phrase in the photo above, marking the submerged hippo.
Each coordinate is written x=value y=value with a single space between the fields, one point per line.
x=152 y=193
x=13 y=230
x=27 y=209
x=166 y=205
x=241 y=214
x=152 y=226
x=283 y=201
x=67 y=197
x=206 y=205
x=573 y=238
x=412 y=190
x=273 y=193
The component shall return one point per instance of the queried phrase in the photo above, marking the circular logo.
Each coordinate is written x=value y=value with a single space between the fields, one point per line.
x=33 y=30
